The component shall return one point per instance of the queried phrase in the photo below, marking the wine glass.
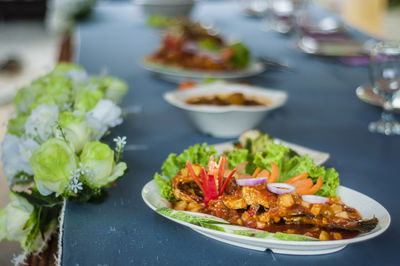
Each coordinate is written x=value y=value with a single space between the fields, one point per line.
x=282 y=14
x=385 y=76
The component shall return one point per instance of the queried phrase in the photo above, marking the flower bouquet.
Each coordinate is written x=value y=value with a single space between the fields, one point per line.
x=52 y=150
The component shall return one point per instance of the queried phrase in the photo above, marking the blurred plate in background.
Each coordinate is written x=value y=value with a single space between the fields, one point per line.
x=176 y=75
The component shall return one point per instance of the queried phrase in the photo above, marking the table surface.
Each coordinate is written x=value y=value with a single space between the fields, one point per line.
x=322 y=113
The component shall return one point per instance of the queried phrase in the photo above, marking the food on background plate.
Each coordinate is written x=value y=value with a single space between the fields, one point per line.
x=191 y=46
x=262 y=185
x=229 y=99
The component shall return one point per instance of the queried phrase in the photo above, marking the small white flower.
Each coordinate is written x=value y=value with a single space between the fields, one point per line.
x=75 y=183
x=120 y=142
x=67 y=107
x=40 y=124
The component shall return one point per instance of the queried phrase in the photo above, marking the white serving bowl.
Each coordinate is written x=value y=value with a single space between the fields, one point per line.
x=225 y=121
x=169 y=8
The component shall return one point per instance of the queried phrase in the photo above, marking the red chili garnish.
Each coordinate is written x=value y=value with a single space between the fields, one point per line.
x=193 y=174
x=211 y=183
x=221 y=169
x=227 y=180
x=204 y=181
x=212 y=189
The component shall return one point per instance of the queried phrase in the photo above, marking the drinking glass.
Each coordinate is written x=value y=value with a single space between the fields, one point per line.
x=282 y=14
x=385 y=77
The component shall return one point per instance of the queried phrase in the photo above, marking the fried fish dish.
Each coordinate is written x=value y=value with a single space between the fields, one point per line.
x=257 y=201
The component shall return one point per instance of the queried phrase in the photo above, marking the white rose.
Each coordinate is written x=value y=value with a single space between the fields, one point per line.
x=13 y=219
x=77 y=76
x=40 y=124
x=16 y=154
x=104 y=115
x=14 y=226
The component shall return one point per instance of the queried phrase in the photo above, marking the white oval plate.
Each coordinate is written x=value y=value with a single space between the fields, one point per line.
x=176 y=75
x=365 y=205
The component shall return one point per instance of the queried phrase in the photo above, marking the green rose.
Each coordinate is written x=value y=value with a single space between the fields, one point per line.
x=76 y=129
x=60 y=89
x=14 y=218
x=87 y=98
x=52 y=164
x=44 y=99
x=25 y=97
x=99 y=158
x=16 y=126
x=114 y=88
x=63 y=68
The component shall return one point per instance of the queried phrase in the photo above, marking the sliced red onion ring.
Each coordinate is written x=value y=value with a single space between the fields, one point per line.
x=314 y=199
x=251 y=181
x=280 y=188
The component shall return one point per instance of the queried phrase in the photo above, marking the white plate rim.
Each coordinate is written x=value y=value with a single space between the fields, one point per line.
x=254 y=68
x=325 y=244
x=319 y=52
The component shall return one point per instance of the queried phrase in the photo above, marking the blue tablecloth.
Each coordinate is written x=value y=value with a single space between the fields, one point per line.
x=322 y=112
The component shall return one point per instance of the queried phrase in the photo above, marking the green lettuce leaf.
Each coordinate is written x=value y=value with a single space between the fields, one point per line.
x=164 y=187
x=236 y=157
x=209 y=44
x=197 y=154
x=331 y=182
x=300 y=164
x=260 y=150
x=171 y=166
x=160 y=21
x=275 y=152
x=241 y=55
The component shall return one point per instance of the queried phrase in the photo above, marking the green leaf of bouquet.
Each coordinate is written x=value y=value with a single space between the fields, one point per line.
x=34 y=220
x=85 y=194
x=38 y=200
x=99 y=198
x=47 y=216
